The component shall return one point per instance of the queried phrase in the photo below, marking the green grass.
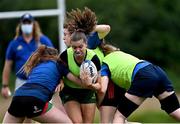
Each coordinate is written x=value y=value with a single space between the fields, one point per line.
x=175 y=78
x=152 y=117
x=144 y=115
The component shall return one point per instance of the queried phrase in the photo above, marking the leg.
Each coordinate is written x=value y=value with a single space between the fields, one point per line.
x=107 y=113
x=56 y=101
x=119 y=118
x=54 y=115
x=73 y=110
x=169 y=103
x=176 y=114
x=8 y=118
x=27 y=120
x=127 y=104
x=88 y=112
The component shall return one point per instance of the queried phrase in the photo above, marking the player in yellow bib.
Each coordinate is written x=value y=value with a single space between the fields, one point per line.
x=80 y=103
x=139 y=79
x=86 y=21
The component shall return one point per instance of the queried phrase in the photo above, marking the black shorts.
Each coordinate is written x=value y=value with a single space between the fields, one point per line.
x=28 y=106
x=150 y=80
x=83 y=96
x=112 y=95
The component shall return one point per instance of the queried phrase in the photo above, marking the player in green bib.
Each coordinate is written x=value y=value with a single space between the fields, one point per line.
x=86 y=21
x=139 y=79
x=80 y=103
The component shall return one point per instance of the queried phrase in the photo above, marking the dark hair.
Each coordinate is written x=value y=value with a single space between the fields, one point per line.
x=76 y=36
x=27 y=17
x=83 y=21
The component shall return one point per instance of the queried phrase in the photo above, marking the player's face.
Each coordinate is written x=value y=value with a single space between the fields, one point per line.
x=66 y=37
x=79 y=48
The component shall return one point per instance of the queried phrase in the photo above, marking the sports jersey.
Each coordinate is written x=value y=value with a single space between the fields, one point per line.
x=74 y=67
x=19 y=51
x=93 y=43
x=93 y=40
x=121 y=66
x=43 y=80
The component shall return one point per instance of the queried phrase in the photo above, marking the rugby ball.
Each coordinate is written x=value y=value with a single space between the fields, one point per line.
x=88 y=67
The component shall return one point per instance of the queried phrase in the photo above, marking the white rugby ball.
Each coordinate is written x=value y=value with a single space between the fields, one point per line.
x=88 y=67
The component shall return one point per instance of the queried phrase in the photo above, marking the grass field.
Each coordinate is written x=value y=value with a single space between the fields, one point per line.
x=149 y=112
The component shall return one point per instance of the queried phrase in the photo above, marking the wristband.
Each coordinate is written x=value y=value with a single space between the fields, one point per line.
x=5 y=85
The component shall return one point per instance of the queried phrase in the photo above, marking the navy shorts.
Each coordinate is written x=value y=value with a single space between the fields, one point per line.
x=112 y=94
x=150 y=80
x=28 y=106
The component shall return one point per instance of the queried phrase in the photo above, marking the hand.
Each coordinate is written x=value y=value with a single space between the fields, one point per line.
x=95 y=86
x=5 y=91
x=60 y=86
x=85 y=79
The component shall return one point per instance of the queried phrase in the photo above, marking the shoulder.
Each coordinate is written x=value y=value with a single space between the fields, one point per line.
x=96 y=61
x=14 y=42
x=44 y=36
x=45 y=40
x=63 y=56
x=64 y=53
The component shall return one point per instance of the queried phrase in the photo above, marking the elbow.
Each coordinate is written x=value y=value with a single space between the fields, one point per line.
x=108 y=28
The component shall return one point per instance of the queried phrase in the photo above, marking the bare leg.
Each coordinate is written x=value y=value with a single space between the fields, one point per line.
x=73 y=110
x=27 y=120
x=56 y=101
x=119 y=118
x=88 y=112
x=107 y=114
x=176 y=114
x=54 y=115
x=8 y=118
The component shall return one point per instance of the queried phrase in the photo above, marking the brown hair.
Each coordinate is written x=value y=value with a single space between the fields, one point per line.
x=36 y=31
x=76 y=36
x=108 y=48
x=83 y=21
x=43 y=53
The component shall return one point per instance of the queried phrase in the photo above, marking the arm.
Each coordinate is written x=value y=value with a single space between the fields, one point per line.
x=5 y=78
x=102 y=30
x=73 y=78
x=83 y=81
x=96 y=86
x=101 y=93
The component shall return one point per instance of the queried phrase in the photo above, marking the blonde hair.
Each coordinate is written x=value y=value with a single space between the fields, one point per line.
x=36 y=31
x=43 y=53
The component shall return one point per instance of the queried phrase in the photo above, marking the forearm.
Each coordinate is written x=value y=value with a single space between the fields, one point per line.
x=100 y=97
x=102 y=28
x=74 y=78
x=6 y=73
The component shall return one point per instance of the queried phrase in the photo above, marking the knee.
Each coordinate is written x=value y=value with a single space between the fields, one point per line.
x=170 y=104
x=77 y=120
